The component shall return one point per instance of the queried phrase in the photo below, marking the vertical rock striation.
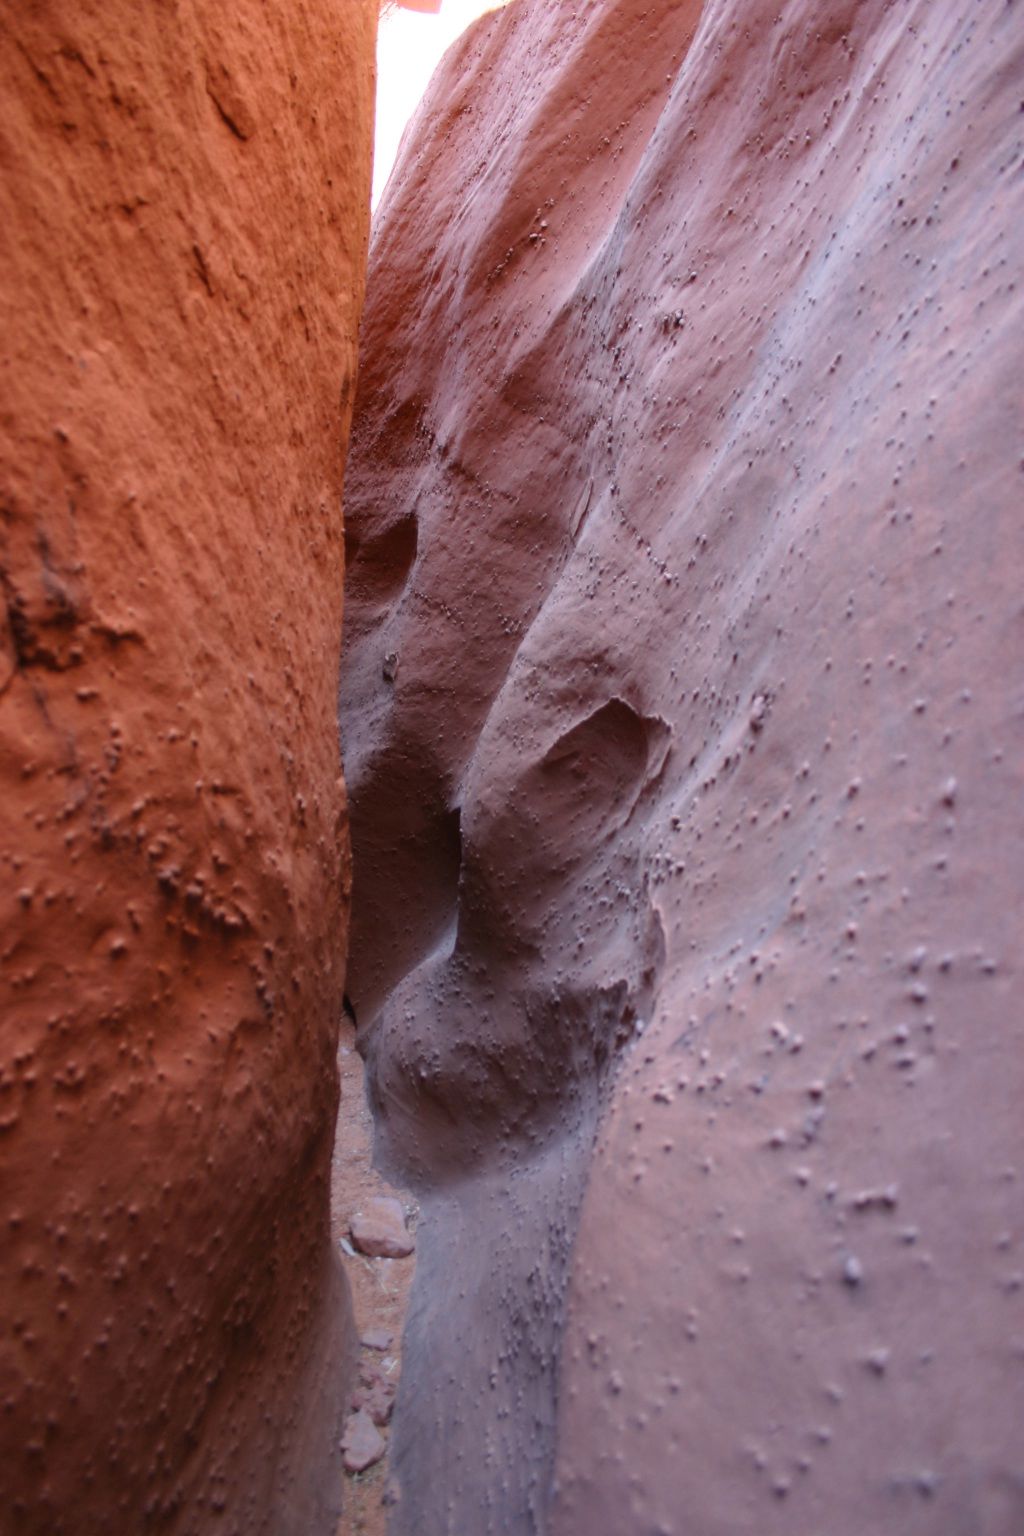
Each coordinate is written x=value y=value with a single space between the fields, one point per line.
x=684 y=746
x=183 y=228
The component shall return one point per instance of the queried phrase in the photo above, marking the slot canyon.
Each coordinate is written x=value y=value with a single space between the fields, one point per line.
x=565 y=643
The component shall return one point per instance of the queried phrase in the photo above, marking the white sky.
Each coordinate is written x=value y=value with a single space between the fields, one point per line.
x=409 y=48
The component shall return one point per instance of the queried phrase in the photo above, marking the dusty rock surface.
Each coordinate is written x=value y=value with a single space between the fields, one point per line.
x=183 y=219
x=684 y=742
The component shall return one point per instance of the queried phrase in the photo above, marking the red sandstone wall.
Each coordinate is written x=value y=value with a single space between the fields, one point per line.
x=182 y=235
x=684 y=740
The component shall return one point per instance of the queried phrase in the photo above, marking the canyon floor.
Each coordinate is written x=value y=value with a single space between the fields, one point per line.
x=380 y=1287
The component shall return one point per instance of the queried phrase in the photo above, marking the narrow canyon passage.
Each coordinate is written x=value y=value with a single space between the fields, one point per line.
x=623 y=723
x=683 y=547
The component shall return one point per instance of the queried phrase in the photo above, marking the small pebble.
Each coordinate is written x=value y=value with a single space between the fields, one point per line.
x=377 y=1338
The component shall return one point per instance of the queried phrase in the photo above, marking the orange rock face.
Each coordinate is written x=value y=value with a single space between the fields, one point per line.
x=684 y=743
x=183 y=227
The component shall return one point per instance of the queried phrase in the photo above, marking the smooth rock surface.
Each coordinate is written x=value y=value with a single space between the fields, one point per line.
x=183 y=218
x=376 y=1338
x=685 y=515
x=362 y=1444
x=379 y=1230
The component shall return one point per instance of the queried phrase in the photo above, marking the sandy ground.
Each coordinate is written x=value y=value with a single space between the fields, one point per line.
x=380 y=1287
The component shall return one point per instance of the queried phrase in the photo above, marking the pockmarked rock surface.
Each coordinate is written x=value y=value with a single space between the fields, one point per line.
x=684 y=743
x=183 y=221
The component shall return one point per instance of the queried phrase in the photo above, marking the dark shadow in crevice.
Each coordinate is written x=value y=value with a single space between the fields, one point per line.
x=378 y=566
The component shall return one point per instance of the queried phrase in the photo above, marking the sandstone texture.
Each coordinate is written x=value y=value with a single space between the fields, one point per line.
x=683 y=732
x=182 y=234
